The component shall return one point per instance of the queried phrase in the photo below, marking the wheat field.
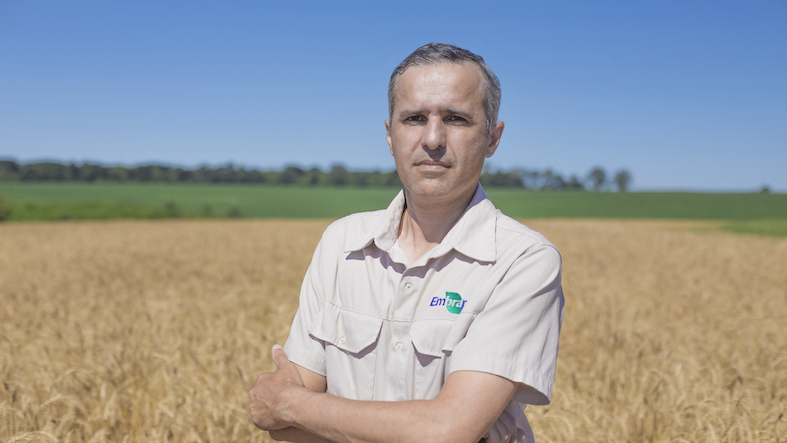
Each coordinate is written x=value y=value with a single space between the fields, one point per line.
x=154 y=331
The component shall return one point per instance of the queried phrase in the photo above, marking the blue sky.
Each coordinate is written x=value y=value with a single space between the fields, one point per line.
x=688 y=95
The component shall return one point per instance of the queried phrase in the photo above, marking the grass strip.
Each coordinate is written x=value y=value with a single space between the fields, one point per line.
x=768 y=227
x=93 y=210
x=53 y=201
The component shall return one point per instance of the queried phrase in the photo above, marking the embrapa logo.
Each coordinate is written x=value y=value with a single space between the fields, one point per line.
x=452 y=301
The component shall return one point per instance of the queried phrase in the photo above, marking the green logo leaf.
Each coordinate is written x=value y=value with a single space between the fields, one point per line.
x=454 y=302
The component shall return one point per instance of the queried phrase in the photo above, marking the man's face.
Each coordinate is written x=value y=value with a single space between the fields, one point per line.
x=438 y=134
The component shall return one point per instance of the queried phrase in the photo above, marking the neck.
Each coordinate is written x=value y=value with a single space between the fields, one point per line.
x=425 y=223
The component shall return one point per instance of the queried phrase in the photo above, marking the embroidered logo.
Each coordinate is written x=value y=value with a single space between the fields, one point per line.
x=452 y=301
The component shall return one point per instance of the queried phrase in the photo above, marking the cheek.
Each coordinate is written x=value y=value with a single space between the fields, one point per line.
x=475 y=152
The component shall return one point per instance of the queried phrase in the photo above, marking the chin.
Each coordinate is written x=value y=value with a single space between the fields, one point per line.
x=433 y=191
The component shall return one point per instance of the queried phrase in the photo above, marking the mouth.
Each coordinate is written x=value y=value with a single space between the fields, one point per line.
x=436 y=164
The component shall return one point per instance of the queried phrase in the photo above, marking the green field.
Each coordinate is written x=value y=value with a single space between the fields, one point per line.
x=761 y=213
x=252 y=201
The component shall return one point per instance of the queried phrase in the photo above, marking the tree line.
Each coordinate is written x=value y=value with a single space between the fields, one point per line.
x=337 y=175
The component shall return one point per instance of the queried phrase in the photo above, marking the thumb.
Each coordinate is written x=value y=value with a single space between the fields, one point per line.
x=279 y=356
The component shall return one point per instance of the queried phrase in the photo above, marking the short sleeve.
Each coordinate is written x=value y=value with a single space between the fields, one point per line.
x=301 y=347
x=516 y=335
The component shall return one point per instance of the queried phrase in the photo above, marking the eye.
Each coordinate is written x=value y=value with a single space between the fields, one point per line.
x=414 y=119
x=455 y=119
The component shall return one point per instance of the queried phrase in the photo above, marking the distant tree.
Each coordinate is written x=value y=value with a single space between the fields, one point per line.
x=272 y=177
x=376 y=179
x=158 y=173
x=71 y=172
x=117 y=173
x=501 y=179
x=225 y=174
x=338 y=176
x=140 y=173
x=5 y=211
x=254 y=176
x=622 y=180
x=290 y=175
x=530 y=179
x=391 y=179
x=203 y=174
x=89 y=173
x=313 y=177
x=46 y=171
x=170 y=175
x=361 y=178
x=574 y=183
x=552 y=180
x=9 y=170
x=181 y=175
x=597 y=178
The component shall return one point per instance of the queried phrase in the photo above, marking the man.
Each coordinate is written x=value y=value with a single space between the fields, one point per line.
x=438 y=318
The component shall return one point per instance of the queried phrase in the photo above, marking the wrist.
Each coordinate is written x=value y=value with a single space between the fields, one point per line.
x=293 y=401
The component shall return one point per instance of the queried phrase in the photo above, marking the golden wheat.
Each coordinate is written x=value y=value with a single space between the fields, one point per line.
x=154 y=331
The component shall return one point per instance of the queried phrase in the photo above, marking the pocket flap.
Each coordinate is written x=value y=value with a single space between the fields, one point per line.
x=430 y=336
x=347 y=330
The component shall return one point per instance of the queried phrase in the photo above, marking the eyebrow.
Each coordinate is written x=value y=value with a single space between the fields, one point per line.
x=467 y=115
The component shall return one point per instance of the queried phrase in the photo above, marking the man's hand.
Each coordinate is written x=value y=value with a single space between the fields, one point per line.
x=271 y=393
x=505 y=429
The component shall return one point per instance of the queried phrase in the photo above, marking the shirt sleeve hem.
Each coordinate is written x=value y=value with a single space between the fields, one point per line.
x=305 y=360
x=536 y=388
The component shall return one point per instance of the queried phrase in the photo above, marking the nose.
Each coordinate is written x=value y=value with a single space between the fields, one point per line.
x=434 y=134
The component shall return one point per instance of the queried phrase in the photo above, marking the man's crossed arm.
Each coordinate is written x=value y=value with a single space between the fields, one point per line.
x=291 y=403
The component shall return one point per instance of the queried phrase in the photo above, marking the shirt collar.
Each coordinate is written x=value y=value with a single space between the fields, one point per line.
x=473 y=234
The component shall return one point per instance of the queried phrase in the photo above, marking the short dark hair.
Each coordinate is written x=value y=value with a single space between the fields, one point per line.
x=434 y=53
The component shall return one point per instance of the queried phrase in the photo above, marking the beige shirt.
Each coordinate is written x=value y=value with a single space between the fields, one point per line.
x=487 y=298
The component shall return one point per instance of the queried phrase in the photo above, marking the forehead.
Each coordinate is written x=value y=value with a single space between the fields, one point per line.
x=440 y=84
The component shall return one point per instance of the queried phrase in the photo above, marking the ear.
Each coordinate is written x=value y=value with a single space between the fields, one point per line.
x=494 y=138
x=388 y=136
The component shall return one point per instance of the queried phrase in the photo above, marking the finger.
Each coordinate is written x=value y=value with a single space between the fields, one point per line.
x=493 y=435
x=496 y=433
x=509 y=421
x=509 y=427
x=279 y=356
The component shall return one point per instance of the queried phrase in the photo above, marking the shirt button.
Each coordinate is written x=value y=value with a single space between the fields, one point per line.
x=399 y=345
x=408 y=285
x=342 y=340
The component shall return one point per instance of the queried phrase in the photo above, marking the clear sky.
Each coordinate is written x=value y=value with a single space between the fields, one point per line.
x=688 y=95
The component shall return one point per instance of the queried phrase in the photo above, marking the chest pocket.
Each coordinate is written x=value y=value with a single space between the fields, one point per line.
x=430 y=337
x=350 y=350
x=434 y=341
x=438 y=337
